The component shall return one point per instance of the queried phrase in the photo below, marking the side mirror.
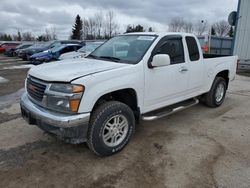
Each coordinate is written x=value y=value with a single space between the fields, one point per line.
x=160 y=60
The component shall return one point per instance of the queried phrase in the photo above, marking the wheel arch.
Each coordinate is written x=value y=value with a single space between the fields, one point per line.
x=127 y=96
x=224 y=74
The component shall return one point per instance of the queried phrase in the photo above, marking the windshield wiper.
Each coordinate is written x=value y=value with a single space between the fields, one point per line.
x=92 y=56
x=116 y=59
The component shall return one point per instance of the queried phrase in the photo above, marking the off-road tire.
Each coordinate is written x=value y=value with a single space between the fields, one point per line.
x=97 y=123
x=210 y=98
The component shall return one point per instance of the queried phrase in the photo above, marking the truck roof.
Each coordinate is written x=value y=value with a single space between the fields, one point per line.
x=160 y=33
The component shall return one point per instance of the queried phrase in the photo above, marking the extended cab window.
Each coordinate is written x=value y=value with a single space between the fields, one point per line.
x=193 y=50
x=173 y=48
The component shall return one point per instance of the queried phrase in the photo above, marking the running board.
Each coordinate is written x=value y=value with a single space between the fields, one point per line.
x=169 y=110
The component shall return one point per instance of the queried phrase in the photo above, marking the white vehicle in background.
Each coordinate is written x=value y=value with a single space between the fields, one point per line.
x=100 y=98
x=82 y=52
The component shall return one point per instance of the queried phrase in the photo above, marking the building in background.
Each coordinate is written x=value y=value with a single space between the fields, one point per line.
x=242 y=36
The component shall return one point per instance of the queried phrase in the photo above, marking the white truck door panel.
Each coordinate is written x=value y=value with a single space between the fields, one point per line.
x=195 y=65
x=167 y=82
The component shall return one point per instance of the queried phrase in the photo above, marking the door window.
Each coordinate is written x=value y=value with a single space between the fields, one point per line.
x=77 y=48
x=67 y=49
x=193 y=50
x=173 y=48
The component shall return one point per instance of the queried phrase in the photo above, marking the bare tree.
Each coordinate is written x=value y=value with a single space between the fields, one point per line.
x=111 y=25
x=221 y=28
x=92 y=28
x=17 y=37
x=188 y=27
x=27 y=36
x=47 y=36
x=176 y=24
x=201 y=27
x=50 y=34
x=85 y=28
x=99 y=24
x=53 y=33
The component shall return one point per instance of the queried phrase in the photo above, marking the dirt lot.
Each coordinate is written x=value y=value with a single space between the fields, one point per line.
x=198 y=147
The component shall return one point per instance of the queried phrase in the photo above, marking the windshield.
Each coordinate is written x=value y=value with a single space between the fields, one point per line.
x=89 y=47
x=23 y=46
x=51 y=44
x=124 y=48
x=20 y=46
x=37 y=45
x=56 y=48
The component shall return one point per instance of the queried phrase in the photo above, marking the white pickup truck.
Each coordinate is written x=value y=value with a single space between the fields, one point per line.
x=100 y=98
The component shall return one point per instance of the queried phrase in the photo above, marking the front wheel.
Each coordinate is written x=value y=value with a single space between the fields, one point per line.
x=111 y=127
x=216 y=95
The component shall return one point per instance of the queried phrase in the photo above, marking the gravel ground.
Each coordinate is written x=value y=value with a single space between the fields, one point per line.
x=197 y=147
x=15 y=77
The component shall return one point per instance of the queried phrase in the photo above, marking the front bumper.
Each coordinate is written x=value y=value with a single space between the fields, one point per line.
x=70 y=128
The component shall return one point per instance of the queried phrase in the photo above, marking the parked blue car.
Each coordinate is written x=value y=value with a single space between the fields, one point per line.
x=53 y=54
x=25 y=54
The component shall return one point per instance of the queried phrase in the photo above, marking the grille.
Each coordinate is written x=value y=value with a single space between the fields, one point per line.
x=35 y=89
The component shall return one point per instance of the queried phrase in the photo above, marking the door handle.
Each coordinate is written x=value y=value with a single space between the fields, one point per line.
x=183 y=69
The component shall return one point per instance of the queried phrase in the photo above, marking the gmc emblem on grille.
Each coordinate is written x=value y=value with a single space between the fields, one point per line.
x=31 y=87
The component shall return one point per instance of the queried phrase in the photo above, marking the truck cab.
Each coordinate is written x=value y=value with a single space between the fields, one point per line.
x=99 y=99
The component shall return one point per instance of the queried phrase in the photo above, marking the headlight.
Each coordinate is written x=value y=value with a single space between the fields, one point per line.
x=66 y=88
x=64 y=97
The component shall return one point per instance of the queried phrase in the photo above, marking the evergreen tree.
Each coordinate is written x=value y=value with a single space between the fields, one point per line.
x=77 y=29
x=150 y=29
x=137 y=28
x=213 y=31
x=231 y=32
x=9 y=38
x=19 y=37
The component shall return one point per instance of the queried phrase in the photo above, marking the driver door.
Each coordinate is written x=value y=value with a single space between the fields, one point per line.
x=163 y=85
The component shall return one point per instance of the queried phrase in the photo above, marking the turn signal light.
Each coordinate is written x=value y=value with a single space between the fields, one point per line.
x=77 y=88
x=74 y=104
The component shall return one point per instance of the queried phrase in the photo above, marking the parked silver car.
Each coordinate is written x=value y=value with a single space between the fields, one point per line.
x=82 y=52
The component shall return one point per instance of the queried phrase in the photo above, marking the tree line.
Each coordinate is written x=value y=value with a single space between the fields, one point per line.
x=105 y=26
x=49 y=34
x=220 y=28
x=99 y=26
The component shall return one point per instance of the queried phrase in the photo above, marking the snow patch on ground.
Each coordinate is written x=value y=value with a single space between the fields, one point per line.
x=19 y=67
x=3 y=80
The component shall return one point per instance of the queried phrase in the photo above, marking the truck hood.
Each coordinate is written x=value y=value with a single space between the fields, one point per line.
x=68 y=70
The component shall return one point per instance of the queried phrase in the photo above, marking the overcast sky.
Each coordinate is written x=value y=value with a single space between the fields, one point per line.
x=36 y=15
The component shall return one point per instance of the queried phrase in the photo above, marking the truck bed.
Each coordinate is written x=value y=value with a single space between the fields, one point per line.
x=205 y=56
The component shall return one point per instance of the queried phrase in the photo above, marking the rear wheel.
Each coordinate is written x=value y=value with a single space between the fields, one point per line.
x=111 y=127
x=216 y=95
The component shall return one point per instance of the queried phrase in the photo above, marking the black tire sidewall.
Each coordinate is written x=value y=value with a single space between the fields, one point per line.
x=98 y=125
x=217 y=82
